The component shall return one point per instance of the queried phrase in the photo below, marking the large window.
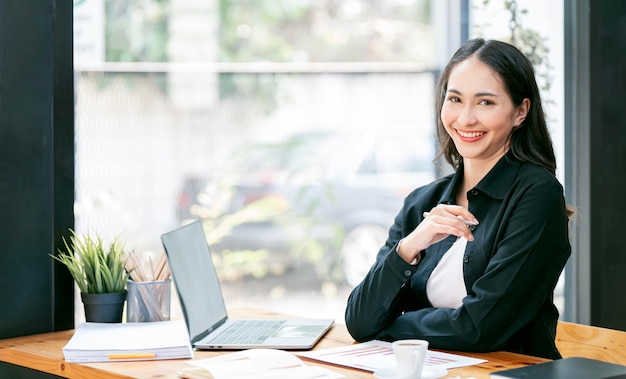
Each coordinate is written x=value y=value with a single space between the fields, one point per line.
x=293 y=129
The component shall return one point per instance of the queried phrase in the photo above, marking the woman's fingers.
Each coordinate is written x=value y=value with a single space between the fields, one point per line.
x=452 y=219
x=439 y=223
x=456 y=211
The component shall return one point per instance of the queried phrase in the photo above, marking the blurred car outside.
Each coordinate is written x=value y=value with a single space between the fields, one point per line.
x=320 y=198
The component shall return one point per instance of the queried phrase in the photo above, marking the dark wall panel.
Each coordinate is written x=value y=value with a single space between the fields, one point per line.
x=63 y=156
x=607 y=144
x=36 y=124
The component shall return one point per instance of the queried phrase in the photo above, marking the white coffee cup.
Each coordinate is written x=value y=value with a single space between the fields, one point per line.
x=410 y=357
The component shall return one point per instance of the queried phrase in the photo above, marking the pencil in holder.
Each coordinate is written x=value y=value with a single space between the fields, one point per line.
x=148 y=301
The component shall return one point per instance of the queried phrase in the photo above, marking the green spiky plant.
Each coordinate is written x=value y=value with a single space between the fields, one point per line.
x=95 y=267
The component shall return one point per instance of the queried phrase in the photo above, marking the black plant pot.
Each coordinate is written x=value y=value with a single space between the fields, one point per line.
x=103 y=307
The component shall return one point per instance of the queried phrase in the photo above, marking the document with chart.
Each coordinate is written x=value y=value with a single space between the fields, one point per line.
x=375 y=355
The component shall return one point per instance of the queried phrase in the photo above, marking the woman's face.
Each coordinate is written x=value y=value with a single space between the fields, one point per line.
x=478 y=112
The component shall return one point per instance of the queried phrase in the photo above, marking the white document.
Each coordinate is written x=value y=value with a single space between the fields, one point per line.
x=102 y=342
x=256 y=364
x=376 y=355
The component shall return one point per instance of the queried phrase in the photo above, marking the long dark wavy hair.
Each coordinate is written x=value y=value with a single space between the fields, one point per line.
x=529 y=142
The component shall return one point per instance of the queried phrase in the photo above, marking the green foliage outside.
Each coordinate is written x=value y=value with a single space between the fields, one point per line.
x=323 y=31
x=219 y=221
x=136 y=30
x=280 y=30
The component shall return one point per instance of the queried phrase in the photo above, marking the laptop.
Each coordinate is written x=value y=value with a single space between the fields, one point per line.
x=202 y=302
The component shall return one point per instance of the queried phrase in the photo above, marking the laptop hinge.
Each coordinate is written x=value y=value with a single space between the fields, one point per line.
x=209 y=330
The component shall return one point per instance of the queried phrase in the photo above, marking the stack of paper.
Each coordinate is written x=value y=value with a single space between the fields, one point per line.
x=256 y=364
x=100 y=342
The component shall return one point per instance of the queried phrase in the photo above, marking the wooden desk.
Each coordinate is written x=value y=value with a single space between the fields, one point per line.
x=43 y=352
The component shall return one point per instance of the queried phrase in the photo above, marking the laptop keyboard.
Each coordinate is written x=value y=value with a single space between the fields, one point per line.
x=246 y=332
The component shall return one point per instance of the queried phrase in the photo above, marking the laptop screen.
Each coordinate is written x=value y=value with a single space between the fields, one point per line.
x=196 y=281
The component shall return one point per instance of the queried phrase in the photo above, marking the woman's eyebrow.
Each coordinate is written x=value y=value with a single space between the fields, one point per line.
x=479 y=94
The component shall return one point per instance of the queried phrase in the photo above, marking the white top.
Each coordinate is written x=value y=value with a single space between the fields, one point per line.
x=446 y=286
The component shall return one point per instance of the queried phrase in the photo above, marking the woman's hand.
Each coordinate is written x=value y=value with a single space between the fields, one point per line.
x=439 y=223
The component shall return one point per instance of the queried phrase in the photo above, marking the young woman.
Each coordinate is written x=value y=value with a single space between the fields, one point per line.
x=472 y=259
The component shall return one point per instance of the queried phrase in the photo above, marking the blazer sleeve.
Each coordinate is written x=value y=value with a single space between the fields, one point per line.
x=528 y=256
x=382 y=295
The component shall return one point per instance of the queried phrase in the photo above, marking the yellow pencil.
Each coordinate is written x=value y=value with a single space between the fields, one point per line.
x=132 y=356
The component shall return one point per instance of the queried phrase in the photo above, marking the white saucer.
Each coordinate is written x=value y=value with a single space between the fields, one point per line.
x=427 y=373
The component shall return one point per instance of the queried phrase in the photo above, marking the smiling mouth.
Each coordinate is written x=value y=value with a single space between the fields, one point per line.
x=470 y=134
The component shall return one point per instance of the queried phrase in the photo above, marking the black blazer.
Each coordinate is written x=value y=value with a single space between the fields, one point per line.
x=510 y=269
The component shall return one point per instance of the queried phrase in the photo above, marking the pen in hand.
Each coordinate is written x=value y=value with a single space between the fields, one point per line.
x=470 y=224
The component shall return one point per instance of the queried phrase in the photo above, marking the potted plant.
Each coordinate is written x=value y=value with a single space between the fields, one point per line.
x=98 y=270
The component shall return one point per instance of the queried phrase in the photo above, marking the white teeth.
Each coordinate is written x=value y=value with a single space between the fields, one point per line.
x=470 y=134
